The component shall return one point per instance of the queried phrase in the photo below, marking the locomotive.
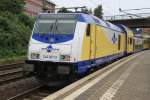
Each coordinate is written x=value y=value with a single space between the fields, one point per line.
x=64 y=45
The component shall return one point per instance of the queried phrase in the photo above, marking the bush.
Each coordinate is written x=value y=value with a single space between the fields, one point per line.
x=14 y=34
x=28 y=21
x=15 y=28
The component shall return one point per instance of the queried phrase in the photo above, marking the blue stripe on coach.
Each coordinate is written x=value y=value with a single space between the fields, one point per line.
x=83 y=66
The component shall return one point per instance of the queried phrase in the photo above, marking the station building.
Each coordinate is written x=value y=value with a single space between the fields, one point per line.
x=33 y=7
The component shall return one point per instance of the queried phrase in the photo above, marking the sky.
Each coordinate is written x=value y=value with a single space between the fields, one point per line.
x=110 y=7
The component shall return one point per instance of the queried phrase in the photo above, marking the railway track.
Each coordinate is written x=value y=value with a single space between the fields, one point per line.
x=10 y=72
x=36 y=93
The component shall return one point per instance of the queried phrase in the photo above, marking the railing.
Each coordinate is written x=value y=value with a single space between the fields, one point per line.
x=128 y=16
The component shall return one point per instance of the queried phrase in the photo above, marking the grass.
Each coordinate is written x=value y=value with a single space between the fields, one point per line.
x=12 y=60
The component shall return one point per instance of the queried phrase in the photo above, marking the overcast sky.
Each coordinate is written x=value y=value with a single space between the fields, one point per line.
x=110 y=7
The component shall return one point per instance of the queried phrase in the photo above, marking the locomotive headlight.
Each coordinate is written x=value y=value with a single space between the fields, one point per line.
x=35 y=56
x=64 y=57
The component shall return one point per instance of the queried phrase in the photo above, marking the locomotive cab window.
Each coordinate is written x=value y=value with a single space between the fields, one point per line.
x=88 y=30
x=43 y=26
x=55 y=26
x=65 y=26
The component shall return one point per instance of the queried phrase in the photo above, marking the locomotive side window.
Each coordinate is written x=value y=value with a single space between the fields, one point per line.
x=88 y=30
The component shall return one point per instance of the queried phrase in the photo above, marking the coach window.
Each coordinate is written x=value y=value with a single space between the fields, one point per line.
x=88 y=30
x=130 y=40
x=119 y=41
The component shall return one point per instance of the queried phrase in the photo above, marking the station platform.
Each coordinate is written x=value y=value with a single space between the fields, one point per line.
x=126 y=79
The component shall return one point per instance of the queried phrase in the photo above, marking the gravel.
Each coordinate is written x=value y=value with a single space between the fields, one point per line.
x=14 y=88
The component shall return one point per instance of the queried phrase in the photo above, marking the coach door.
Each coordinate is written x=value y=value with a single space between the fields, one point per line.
x=93 y=41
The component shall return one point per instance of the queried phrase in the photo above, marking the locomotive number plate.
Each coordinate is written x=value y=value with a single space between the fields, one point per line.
x=52 y=56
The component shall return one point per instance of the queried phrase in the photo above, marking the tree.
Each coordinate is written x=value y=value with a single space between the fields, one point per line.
x=63 y=10
x=14 y=35
x=98 y=11
x=13 y=6
x=15 y=28
x=90 y=11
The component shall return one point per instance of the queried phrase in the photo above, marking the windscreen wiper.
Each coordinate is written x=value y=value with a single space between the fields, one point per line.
x=51 y=27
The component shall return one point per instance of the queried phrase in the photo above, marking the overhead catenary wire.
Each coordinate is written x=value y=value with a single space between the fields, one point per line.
x=123 y=11
x=136 y=9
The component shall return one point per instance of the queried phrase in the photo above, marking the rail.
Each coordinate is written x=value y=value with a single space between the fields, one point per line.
x=36 y=93
x=10 y=72
x=22 y=95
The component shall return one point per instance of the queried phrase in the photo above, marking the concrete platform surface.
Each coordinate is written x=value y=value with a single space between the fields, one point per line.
x=126 y=80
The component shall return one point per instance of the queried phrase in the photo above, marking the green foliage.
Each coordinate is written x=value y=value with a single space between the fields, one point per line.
x=14 y=35
x=15 y=28
x=98 y=11
x=28 y=21
x=63 y=10
x=14 y=59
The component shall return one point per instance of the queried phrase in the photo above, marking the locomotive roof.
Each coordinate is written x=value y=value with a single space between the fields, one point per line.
x=82 y=18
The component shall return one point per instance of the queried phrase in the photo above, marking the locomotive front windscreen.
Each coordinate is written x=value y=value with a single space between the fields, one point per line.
x=55 y=26
x=43 y=26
